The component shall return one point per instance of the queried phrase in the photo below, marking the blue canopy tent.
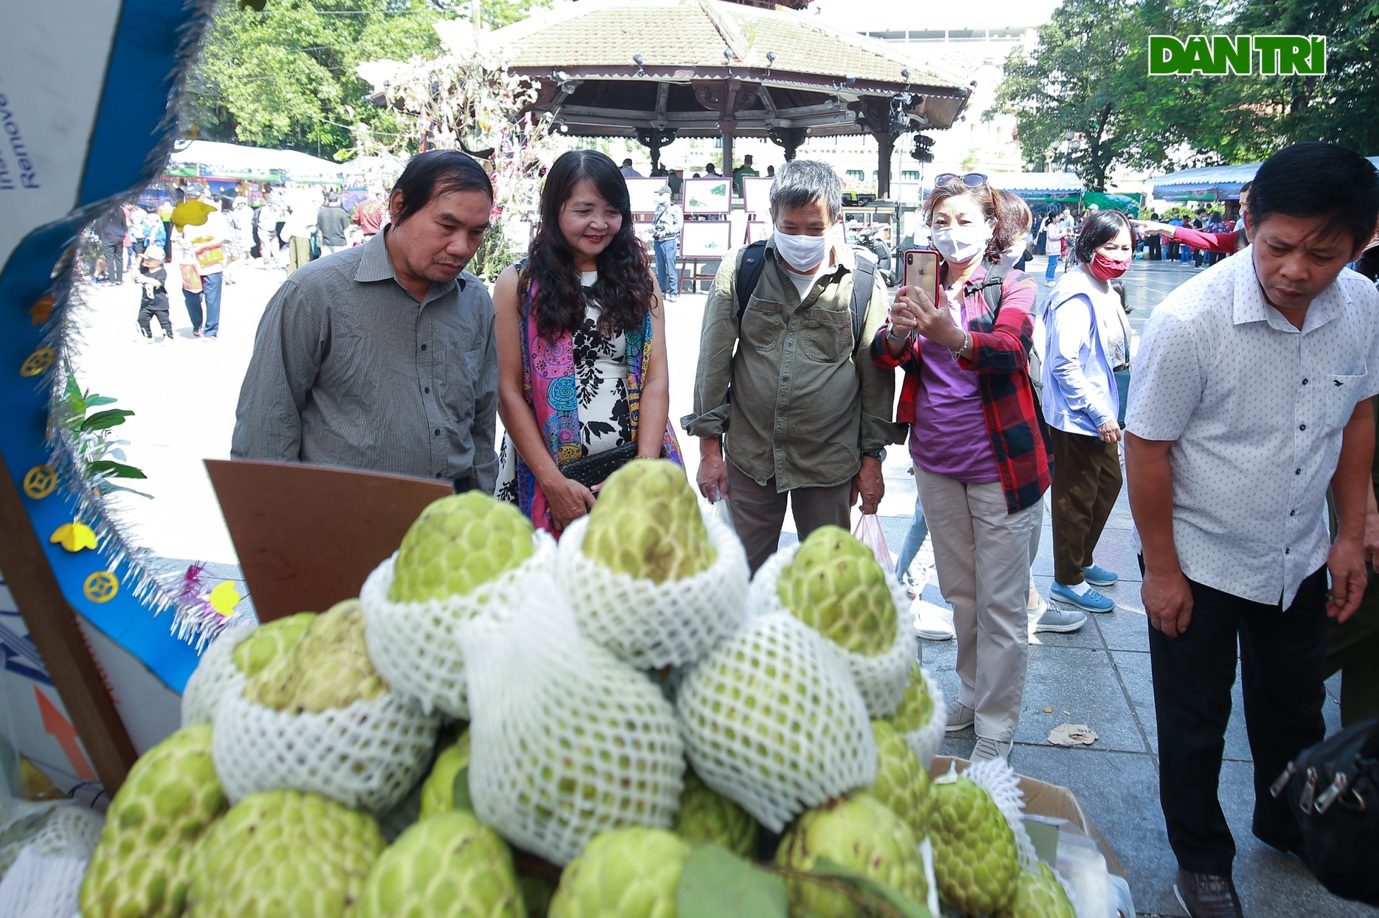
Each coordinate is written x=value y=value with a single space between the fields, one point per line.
x=1213 y=183
x=1040 y=187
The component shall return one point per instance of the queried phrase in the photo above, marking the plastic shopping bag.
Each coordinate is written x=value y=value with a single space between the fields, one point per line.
x=868 y=532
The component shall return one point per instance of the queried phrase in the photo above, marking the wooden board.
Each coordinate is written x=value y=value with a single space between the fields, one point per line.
x=307 y=536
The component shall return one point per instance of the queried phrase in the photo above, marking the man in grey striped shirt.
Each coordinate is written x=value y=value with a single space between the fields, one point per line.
x=381 y=357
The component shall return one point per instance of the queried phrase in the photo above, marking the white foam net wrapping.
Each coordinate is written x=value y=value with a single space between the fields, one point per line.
x=881 y=679
x=567 y=739
x=43 y=858
x=367 y=755
x=416 y=645
x=42 y=885
x=649 y=624
x=214 y=676
x=772 y=720
x=925 y=741
x=1004 y=787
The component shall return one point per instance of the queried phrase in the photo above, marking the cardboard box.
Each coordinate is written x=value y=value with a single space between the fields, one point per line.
x=1055 y=804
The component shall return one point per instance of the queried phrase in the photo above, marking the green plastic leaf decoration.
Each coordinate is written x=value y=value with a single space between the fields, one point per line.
x=898 y=904
x=116 y=469
x=716 y=883
x=108 y=418
x=463 y=801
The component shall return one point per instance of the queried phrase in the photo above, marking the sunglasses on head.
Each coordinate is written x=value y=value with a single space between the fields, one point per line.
x=970 y=179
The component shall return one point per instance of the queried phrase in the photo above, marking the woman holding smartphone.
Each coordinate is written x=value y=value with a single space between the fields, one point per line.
x=980 y=461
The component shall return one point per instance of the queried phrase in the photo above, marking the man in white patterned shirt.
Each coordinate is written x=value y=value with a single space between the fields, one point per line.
x=1251 y=395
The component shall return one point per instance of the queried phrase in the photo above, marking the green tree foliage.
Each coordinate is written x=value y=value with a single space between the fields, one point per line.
x=1087 y=78
x=285 y=76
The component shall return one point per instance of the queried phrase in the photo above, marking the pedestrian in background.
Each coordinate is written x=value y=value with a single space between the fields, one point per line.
x=1086 y=338
x=201 y=260
x=1251 y=394
x=665 y=238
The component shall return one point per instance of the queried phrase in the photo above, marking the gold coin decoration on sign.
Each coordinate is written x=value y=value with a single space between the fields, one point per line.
x=40 y=311
x=38 y=361
x=40 y=481
x=101 y=586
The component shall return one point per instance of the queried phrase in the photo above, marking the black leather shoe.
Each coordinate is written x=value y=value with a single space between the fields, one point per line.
x=1206 y=896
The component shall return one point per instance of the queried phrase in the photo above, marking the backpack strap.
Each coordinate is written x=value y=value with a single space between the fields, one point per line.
x=749 y=268
x=863 y=284
x=991 y=287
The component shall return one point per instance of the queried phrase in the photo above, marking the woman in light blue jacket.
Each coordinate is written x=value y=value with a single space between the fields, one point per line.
x=1086 y=340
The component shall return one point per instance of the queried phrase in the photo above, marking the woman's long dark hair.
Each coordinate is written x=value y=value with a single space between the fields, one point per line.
x=623 y=290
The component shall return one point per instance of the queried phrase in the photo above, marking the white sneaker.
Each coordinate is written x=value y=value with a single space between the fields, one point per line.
x=932 y=622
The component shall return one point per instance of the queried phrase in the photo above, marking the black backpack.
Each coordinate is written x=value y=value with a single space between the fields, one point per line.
x=753 y=259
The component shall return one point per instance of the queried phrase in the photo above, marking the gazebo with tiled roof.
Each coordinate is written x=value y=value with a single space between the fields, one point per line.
x=662 y=69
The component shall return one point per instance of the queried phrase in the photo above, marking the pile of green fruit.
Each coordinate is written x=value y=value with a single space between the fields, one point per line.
x=180 y=840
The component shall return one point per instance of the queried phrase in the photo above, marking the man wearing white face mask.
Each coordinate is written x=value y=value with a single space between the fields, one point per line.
x=808 y=417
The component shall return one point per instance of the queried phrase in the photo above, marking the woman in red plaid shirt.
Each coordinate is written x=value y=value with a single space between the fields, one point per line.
x=980 y=459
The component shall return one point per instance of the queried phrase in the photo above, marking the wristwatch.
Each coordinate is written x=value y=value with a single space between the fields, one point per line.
x=898 y=339
x=878 y=454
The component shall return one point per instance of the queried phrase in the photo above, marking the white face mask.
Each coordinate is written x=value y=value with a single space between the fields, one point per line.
x=803 y=253
x=962 y=243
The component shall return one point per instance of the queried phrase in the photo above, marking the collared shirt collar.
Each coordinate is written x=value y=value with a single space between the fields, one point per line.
x=375 y=265
x=1250 y=306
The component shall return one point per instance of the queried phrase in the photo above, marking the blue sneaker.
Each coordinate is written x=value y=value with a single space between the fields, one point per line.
x=1099 y=576
x=1091 y=601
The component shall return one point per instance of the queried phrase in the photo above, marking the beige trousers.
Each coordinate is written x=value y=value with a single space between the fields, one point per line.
x=982 y=554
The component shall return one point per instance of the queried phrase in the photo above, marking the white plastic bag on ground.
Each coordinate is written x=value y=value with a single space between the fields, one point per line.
x=416 y=645
x=567 y=740
x=772 y=720
x=881 y=679
x=367 y=755
x=925 y=741
x=649 y=624
x=214 y=676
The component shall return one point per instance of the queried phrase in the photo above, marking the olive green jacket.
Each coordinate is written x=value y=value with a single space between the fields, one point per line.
x=807 y=400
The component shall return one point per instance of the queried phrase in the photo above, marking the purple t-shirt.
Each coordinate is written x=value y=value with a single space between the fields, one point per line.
x=949 y=435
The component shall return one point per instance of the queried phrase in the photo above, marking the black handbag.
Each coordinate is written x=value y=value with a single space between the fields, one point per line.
x=1332 y=789
x=594 y=470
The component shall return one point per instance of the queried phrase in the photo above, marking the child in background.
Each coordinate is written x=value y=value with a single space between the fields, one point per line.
x=153 y=300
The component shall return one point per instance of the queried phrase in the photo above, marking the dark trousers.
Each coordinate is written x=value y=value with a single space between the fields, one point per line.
x=1086 y=482
x=1353 y=650
x=759 y=511
x=211 y=284
x=1281 y=656
x=154 y=310
x=113 y=253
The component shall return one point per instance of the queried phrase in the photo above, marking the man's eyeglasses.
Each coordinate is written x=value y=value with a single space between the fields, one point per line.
x=970 y=179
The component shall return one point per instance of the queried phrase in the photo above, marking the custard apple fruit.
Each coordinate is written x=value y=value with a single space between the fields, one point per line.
x=328 y=667
x=707 y=816
x=438 y=790
x=626 y=873
x=901 y=783
x=269 y=641
x=647 y=524
x=856 y=831
x=168 y=801
x=976 y=864
x=447 y=865
x=834 y=585
x=916 y=705
x=457 y=544
x=1038 y=894
x=772 y=720
x=284 y=852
